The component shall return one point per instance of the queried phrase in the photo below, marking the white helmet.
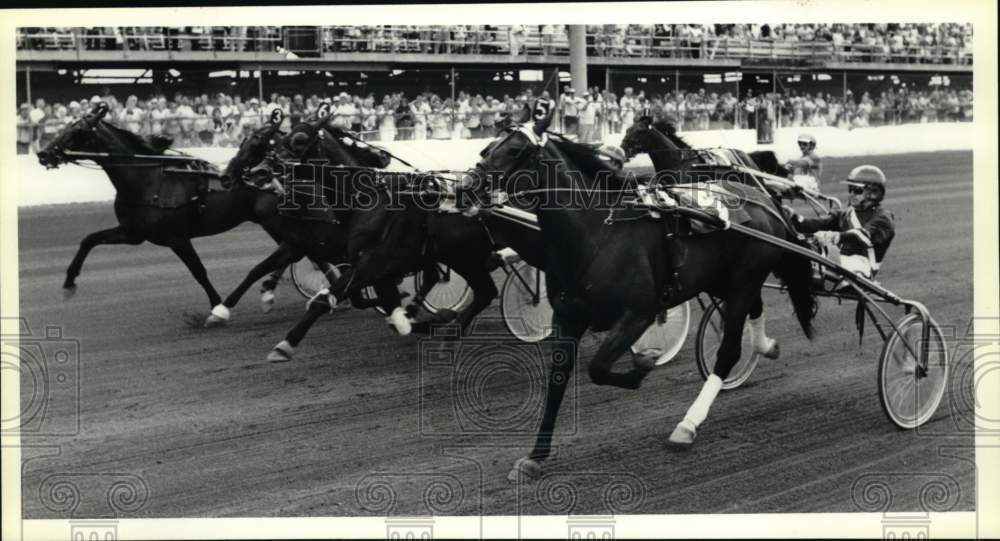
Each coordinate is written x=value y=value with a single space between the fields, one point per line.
x=868 y=176
x=807 y=140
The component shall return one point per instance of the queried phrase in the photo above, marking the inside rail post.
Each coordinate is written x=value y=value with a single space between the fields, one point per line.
x=260 y=91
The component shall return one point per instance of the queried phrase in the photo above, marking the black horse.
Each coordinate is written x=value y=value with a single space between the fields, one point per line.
x=317 y=237
x=385 y=228
x=163 y=199
x=607 y=269
x=670 y=152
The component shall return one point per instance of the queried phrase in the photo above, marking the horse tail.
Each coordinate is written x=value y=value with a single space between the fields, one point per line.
x=796 y=273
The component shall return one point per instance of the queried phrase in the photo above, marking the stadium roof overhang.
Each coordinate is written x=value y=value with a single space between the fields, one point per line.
x=214 y=60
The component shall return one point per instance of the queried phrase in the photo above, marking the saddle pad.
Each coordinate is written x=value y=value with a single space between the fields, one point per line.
x=712 y=199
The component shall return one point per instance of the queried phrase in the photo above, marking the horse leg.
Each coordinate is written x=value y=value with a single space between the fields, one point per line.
x=738 y=304
x=115 y=235
x=484 y=290
x=267 y=288
x=347 y=286
x=563 y=342
x=279 y=259
x=622 y=335
x=762 y=343
x=389 y=299
x=429 y=278
x=284 y=350
x=182 y=247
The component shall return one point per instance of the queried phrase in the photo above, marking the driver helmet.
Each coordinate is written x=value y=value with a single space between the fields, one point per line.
x=868 y=176
x=808 y=141
x=613 y=153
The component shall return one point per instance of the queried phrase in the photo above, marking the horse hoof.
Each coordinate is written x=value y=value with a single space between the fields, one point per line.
x=68 y=292
x=218 y=317
x=266 y=300
x=525 y=470
x=398 y=321
x=773 y=352
x=682 y=437
x=213 y=321
x=281 y=353
x=645 y=360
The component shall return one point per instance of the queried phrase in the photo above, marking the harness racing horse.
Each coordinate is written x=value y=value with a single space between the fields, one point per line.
x=389 y=231
x=676 y=162
x=321 y=240
x=587 y=250
x=155 y=201
x=669 y=152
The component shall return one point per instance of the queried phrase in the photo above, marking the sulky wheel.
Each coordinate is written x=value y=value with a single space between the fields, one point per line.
x=667 y=337
x=524 y=304
x=910 y=391
x=310 y=278
x=450 y=292
x=709 y=339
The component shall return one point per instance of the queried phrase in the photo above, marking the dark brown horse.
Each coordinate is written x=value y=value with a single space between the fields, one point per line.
x=159 y=198
x=608 y=271
x=321 y=240
x=390 y=231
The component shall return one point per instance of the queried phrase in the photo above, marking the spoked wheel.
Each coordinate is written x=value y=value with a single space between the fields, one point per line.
x=309 y=278
x=910 y=391
x=524 y=304
x=451 y=291
x=709 y=339
x=669 y=336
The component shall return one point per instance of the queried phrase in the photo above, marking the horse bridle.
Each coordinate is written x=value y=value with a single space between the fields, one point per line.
x=536 y=143
x=59 y=153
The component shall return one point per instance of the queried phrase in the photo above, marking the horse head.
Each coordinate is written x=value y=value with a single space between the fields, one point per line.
x=81 y=135
x=254 y=148
x=641 y=138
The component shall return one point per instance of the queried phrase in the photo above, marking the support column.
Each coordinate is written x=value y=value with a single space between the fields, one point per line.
x=260 y=90
x=578 y=57
x=27 y=83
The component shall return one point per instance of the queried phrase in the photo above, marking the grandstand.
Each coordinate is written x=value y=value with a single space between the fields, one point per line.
x=209 y=84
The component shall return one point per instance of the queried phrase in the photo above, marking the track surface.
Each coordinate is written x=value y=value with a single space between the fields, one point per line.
x=204 y=426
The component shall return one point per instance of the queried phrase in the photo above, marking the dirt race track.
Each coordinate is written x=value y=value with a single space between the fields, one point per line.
x=157 y=418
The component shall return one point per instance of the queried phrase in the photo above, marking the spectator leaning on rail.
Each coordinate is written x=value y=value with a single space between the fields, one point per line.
x=864 y=230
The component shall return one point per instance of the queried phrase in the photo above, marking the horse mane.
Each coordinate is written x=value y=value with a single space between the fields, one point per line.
x=153 y=145
x=583 y=156
x=352 y=150
x=670 y=130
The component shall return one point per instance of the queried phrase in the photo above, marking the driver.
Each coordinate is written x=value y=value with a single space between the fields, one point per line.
x=809 y=163
x=864 y=230
x=806 y=170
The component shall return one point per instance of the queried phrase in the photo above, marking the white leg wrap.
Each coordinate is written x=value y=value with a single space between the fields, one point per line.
x=221 y=312
x=698 y=411
x=758 y=335
x=399 y=321
x=267 y=296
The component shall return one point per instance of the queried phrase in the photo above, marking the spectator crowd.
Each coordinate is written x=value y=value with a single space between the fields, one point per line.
x=874 y=42
x=224 y=120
